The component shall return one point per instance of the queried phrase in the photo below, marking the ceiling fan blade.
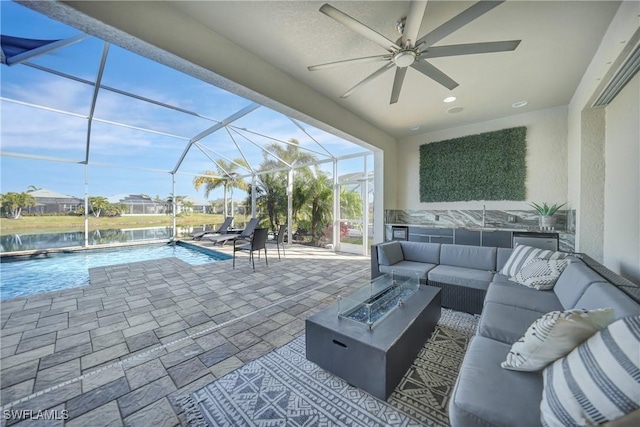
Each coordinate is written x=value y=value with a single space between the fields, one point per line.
x=470 y=49
x=413 y=22
x=358 y=27
x=457 y=22
x=397 y=84
x=435 y=74
x=377 y=58
x=373 y=76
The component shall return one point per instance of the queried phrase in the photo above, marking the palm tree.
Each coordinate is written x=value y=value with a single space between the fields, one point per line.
x=14 y=202
x=226 y=176
x=273 y=194
x=97 y=204
x=32 y=188
x=319 y=208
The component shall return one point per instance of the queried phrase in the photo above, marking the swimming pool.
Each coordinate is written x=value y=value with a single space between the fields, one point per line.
x=64 y=270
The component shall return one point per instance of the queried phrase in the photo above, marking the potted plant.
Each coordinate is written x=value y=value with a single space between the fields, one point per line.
x=546 y=212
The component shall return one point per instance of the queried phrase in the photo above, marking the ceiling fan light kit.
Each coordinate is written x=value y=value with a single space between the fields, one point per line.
x=411 y=51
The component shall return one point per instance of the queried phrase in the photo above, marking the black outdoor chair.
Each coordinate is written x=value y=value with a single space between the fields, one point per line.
x=279 y=239
x=256 y=243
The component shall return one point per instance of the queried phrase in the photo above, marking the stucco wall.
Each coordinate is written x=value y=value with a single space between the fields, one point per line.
x=622 y=183
x=605 y=61
x=546 y=160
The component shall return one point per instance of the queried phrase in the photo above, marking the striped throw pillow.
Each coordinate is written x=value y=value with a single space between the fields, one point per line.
x=523 y=254
x=540 y=273
x=555 y=335
x=597 y=382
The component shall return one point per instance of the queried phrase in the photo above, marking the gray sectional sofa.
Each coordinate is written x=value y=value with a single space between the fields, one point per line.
x=486 y=394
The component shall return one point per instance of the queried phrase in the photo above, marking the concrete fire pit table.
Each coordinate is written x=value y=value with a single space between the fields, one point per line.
x=370 y=338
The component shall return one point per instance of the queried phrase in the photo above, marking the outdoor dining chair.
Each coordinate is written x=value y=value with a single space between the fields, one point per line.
x=279 y=239
x=258 y=242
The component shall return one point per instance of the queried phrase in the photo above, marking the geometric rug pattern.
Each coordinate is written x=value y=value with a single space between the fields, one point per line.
x=282 y=388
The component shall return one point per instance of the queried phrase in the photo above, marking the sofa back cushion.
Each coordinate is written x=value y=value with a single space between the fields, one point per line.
x=574 y=281
x=390 y=253
x=421 y=252
x=478 y=257
x=604 y=294
x=502 y=257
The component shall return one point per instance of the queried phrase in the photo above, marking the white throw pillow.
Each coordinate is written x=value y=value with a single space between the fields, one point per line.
x=523 y=254
x=597 y=382
x=554 y=335
x=540 y=273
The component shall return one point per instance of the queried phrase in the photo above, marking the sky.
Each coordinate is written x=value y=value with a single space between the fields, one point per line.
x=117 y=153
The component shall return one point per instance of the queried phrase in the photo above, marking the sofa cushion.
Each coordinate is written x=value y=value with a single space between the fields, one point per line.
x=598 y=381
x=554 y=335
x=408 y=269
x=510 y=293
x=523 y=254
x=421 y=252
x=505 y=323
x=478 y=279
x=501 y=278
x=487 y=395
x=390 y=253
x=607 y=295
x=477 y=257
x=502 y=256
x=573 y=282
x=540 y=273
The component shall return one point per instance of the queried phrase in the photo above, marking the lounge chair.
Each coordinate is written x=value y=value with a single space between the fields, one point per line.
x=221 y=230
x=245 y=234
x=257 y=243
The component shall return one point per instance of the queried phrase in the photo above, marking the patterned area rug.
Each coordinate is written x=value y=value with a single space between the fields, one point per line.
x=282 y=388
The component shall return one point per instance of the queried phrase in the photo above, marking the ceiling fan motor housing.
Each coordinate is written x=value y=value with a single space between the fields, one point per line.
x=404 y=58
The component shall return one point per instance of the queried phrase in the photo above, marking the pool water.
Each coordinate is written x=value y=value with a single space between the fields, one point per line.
x=71 y=269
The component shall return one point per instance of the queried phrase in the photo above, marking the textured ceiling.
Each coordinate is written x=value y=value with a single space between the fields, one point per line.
x=558 y=42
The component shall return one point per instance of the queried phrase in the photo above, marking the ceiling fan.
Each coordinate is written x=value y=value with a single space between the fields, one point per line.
x=409 y=51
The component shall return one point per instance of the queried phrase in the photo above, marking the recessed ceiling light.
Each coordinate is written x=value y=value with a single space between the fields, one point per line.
x=454 y=110
x=449 y=99
x=519 y=104
x=414 y=128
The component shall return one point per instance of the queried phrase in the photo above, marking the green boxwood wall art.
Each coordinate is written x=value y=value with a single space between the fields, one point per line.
x=487 y=166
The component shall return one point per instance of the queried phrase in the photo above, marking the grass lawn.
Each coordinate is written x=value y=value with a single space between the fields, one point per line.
x=39 y=224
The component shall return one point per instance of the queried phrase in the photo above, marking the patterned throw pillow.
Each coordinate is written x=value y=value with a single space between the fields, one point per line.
x=554 y=335
x=523 y=254
x=540 y=273
x=597 y=382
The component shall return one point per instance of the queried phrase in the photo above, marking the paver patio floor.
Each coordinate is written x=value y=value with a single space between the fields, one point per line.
x=121 y=350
